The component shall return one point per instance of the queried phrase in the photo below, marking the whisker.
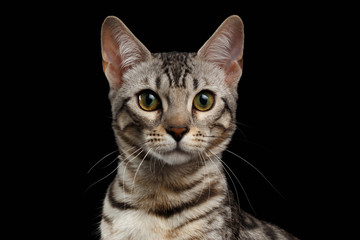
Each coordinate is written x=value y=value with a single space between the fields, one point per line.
x=103 y=178
x=251 y=165
x=137 y=170
x=155 y=162
x=242 y=124
x=236 y=192
x=242 y=133
x=208 y=177
x=118 y=157
x=237 y=179
x=101 y=160
x=131 y=160
x=215 y=136
x=125 y=167
x=220 y=173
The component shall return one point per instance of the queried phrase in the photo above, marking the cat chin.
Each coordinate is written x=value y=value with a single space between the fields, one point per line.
x=175 y=157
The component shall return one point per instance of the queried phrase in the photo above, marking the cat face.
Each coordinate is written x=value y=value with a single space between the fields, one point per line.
x=175 y=106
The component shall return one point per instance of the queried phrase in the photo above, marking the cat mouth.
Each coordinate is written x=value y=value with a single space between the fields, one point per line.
x=175 y=156
x=177 y=150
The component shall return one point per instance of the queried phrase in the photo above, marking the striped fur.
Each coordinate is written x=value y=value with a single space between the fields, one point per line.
x=167 y=188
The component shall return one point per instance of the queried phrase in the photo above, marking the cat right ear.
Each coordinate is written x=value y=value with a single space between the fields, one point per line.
x=225 y=49
x=120 y=50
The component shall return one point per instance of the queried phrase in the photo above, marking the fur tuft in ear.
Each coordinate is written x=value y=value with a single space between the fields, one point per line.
x=120 y=49
x=225 y=48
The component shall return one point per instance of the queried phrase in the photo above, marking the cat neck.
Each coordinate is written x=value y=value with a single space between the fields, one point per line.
x=147 y=171
x=165 y=190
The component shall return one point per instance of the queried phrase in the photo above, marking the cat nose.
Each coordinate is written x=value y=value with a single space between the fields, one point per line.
x=177 y=132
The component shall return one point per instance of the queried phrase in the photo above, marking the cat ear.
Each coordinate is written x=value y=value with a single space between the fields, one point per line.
x=120 y=49
x=225 y=49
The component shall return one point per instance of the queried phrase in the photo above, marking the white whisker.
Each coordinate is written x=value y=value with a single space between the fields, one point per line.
x=112 y=161
x=118 y=157
x=112 y=171
x=137 y=170
x=125 y=167
x=208 y=177
x=251 y=165
x=242 y=124
x=101 y=160
x=103 y=177
x=154 y=162
x=220 y=173
x=237 y=179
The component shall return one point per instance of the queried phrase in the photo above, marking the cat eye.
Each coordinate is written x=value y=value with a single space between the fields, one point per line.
x=149 y=101
x=204 y=100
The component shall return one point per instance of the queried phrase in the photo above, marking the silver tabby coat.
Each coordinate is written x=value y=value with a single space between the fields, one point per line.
x=173 y=116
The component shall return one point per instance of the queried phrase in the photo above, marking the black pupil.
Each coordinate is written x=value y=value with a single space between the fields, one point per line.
x=203 y=99
x=149 y=99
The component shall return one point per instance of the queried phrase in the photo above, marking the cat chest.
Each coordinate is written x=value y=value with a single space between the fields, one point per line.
x=138 y=225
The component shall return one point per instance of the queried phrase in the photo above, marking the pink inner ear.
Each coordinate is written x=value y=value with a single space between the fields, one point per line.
x=113 y=73
x=111 y=64
x=225 y=48
x=233 y=72
x=121 y=50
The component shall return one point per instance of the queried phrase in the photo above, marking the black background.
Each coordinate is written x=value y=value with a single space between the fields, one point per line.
x=288 y=110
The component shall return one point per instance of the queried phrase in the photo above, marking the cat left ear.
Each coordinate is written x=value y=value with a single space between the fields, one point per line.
x=120 y=49
x=225 y=49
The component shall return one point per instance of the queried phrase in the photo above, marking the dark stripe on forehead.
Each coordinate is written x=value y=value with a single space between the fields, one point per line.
x=186 y=72
x=169 y=76
x=178 y=74
x=195 y=83
x=158 y=82
x=176 y=66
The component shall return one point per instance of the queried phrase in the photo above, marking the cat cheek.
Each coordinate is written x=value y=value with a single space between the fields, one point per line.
x=200 y=116
x=225 y=120
x=123 y=121
x=157 y=139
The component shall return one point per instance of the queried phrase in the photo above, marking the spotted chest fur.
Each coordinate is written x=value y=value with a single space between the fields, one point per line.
x=173 y=116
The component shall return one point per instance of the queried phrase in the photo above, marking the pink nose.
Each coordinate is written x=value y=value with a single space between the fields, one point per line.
x=177 y=132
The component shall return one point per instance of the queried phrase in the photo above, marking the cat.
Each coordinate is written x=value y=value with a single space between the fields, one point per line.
x=173 y=116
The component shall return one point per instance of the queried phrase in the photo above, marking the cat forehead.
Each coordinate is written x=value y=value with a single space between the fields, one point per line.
x=173 y=70
x=183 y=69
x=176 y=66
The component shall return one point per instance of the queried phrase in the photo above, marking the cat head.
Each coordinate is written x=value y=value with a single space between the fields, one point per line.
x=177 y=107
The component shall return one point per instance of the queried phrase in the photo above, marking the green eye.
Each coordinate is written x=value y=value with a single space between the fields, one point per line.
x=204 y=100
x=149 y=101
